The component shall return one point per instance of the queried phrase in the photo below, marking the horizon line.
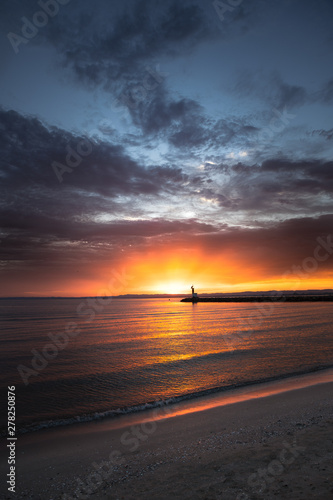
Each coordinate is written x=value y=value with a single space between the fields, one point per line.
x=163 y=295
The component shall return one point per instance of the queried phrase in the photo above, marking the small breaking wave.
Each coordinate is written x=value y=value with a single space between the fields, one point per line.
x=127 y=410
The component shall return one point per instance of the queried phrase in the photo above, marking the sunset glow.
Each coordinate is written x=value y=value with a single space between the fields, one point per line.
x=174 y=268
x=172 y=287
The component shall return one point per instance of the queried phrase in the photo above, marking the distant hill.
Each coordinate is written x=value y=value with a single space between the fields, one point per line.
x=327 y=291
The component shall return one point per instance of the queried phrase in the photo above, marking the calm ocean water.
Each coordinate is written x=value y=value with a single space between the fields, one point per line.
x=131 y=354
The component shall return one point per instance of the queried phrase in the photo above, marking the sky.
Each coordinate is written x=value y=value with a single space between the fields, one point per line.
x=150 y=145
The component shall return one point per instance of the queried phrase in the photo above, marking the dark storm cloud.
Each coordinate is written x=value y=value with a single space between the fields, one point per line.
x=46 y=238
x=198 y=131
x=108 y=174
x=37 y=207
x=30 y=148
x=277 y=186
x=114 y=47
x=184 y=124
x=160 y=112
x=107 y=43
x=45 y=229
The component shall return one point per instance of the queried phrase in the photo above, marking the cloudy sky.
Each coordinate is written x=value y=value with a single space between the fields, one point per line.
x=147 y=145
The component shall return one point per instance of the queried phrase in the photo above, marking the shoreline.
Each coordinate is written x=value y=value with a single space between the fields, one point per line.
x=191 y=400
x=213 y=449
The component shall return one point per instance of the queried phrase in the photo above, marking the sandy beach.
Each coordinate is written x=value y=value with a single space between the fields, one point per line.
x=269 y=446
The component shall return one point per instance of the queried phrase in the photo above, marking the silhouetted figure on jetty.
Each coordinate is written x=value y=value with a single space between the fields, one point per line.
x=194 y=295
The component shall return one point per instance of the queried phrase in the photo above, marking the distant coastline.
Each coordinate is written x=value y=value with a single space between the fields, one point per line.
x=247 y=296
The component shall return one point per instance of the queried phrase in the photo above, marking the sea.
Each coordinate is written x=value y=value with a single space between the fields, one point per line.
x=79 y=360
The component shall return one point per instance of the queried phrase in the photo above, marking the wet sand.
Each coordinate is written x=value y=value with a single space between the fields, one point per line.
x=275 y=443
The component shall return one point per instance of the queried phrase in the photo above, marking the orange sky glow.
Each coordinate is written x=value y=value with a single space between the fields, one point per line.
x=171 y=271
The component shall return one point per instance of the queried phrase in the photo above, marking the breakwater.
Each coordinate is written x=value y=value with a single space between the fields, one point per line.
x=263 y=298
